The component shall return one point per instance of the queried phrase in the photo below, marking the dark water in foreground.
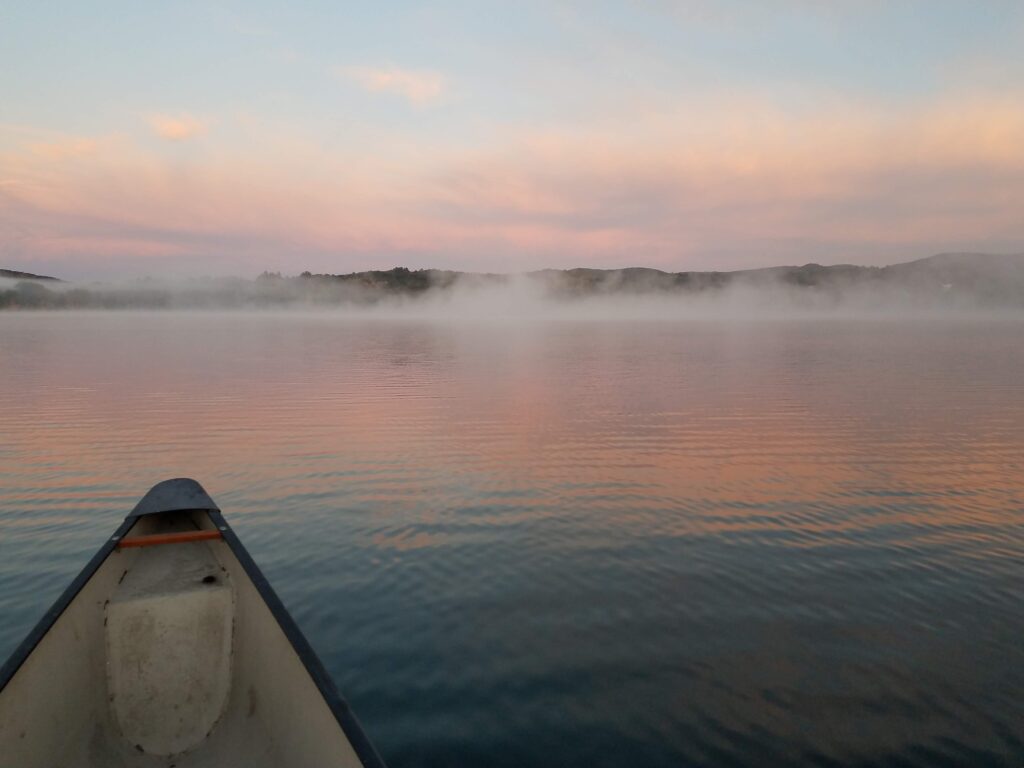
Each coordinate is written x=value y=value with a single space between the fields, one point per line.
x=572 y=544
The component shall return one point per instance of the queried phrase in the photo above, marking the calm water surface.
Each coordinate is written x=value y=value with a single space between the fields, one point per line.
x=572 y=544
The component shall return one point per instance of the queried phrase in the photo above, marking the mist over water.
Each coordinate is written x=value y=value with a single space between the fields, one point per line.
x=564 y=541
x=951 y=283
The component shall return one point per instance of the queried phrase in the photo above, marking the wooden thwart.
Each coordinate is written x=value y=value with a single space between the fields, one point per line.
x=167 y=538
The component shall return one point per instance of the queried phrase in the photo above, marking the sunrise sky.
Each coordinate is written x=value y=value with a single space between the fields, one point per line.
x=229 y=138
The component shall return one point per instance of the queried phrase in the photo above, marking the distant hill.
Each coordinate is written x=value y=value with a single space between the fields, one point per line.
x=947 y=280
x=15 y=275
x=945 y=272
x=978 y=277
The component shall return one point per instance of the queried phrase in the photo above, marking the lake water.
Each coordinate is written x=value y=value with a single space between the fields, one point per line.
x=569 y=543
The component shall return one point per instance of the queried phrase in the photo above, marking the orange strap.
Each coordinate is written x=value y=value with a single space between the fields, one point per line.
x=167 y=538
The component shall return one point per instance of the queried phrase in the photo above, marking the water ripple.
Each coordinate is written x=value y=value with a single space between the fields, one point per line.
x=647 y=544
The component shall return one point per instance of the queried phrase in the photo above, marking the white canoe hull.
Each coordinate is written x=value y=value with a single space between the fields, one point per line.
x=170 y=648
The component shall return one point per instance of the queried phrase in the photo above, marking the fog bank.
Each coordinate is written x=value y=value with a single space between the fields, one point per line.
x=945 y=283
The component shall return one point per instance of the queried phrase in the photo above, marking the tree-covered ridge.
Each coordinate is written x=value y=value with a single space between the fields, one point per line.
x=949 y=278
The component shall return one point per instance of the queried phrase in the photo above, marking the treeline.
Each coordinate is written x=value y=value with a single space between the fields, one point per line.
x=33 y=295
x=268 y=290
x=952 y=279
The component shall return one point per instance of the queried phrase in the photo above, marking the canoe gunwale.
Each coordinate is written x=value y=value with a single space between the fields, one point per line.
x=38 y=632
x=338 y=706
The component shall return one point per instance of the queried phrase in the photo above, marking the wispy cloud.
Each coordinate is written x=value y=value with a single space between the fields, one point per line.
x=725 y=185
x=65 y=148
x=417 y=86
x=179 y=127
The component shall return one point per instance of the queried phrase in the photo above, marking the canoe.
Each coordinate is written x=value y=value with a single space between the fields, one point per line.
x=171 y=649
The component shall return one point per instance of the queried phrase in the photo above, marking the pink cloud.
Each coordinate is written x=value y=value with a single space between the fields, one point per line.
x=65 y=148
x=740 y=181
x=417 y=87
x=176 y=127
